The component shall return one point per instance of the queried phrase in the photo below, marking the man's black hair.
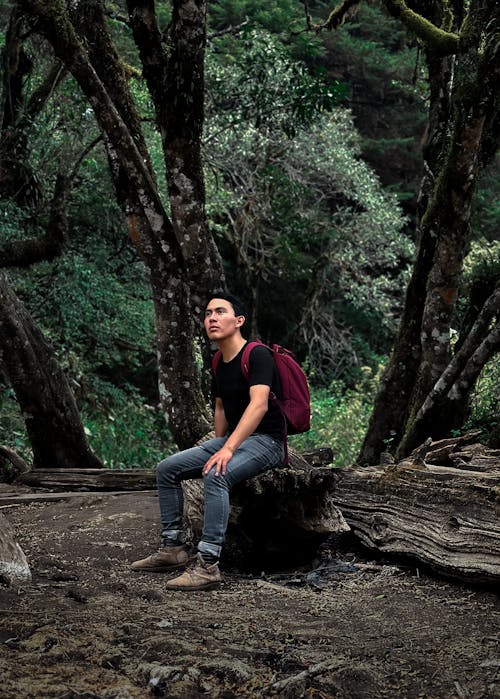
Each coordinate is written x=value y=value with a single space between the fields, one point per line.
x=237 y=304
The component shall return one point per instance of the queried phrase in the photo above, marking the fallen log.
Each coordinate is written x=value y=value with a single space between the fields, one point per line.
x=440 y=506
x=443 y=516
x=14 y=568
x=85 y=479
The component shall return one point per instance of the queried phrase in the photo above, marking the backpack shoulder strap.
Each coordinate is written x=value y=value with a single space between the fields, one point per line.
x=215 y=361
x=245 y=357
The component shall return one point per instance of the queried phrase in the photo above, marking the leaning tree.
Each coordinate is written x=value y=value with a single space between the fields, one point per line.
x=424 y=388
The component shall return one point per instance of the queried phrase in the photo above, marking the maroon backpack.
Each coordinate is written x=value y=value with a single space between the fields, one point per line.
x=295 y=402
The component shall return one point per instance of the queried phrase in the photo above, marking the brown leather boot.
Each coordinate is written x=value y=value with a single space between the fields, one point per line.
x=199 y=576
x=165 y=559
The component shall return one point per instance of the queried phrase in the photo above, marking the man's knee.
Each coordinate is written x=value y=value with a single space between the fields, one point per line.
x=166 y=467
x=211 y=482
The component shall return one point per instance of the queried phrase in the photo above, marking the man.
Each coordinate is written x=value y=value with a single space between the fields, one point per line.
x=248 y=441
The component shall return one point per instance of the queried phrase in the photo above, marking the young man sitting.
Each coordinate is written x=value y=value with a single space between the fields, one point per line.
x=248 y=441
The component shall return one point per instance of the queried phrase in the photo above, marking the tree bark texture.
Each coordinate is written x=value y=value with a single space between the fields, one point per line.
x=464 y=111
x=14 y=568
x=49 y=410
x=175 y=80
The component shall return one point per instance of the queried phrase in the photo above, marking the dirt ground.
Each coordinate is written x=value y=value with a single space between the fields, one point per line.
x=353 y=628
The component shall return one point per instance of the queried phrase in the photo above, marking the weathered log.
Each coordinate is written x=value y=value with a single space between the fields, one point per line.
x=133 y=478
x=14 y=568
x=445 y=517
x=439 y=452
x=89 y=479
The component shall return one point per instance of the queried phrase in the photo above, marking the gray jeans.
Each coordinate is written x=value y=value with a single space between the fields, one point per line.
x=258 y=453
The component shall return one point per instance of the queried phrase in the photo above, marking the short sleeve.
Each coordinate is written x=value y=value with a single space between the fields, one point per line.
x=261 y=367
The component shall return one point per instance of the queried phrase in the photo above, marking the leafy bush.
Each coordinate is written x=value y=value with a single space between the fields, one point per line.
x=129 y=435
x=339 y=418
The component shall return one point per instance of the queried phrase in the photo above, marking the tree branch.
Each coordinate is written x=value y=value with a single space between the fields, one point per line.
x=26 y=252
x=338 y=15
x=441 y=42
x=148 y=39
x=229 y=30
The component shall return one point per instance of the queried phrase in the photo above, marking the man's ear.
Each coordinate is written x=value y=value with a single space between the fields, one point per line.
x=240 y=320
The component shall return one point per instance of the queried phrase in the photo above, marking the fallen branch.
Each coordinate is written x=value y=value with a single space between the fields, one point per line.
x=313 y=671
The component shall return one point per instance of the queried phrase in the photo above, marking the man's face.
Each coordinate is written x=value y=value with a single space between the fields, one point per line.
x=220 y=320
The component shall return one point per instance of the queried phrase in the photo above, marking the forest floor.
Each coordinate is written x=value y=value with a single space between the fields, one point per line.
x=354 y=628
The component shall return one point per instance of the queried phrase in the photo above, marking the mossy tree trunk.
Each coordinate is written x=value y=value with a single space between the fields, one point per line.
x=462 y=138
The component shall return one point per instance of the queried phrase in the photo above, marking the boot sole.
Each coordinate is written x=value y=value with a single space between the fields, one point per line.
x=162 y=569
x=193 y=588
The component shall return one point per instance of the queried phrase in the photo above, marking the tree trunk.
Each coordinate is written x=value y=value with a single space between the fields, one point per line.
x=447 y=401
x=11 y=465
x=464 y=110
x=17 y=180
x=180 y=385
x=42 y=390
x=175 y=81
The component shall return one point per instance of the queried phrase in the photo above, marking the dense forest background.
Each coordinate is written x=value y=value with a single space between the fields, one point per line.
x=315 y=145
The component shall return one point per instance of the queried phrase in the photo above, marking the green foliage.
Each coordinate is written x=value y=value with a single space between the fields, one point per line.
x=486 y=210
x=303 y=215
x=96 y=308
x=387 y=92
x=93 y=303
x=125 y=433
x=483 y=262
x=131 y=434
x=339 y=418
x=485 y=404
x=261 y=86
x=284 y=19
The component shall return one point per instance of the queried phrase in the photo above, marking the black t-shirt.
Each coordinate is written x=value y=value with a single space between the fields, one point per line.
x=233 y=389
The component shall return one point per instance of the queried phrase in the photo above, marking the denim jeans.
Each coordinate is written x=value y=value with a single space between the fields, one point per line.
x=258 y=453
